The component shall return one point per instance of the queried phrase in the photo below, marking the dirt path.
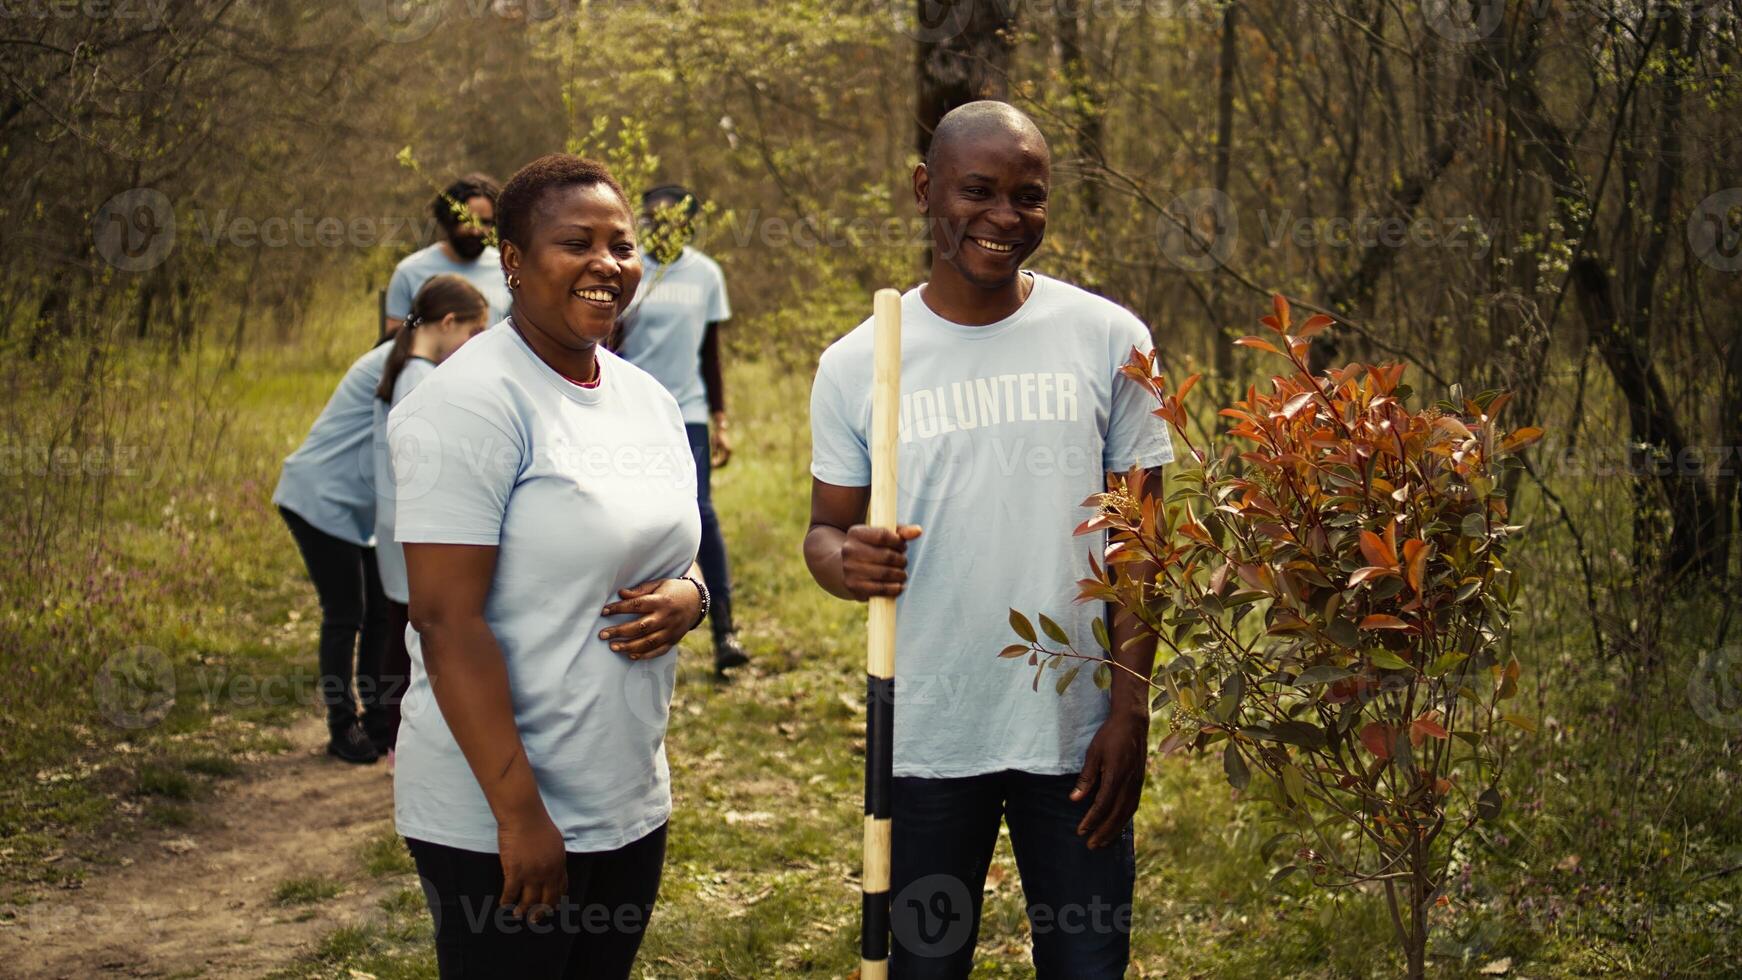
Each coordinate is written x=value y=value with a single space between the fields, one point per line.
x=207 y=910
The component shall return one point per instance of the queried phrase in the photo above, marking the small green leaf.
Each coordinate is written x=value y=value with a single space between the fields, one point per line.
x=1488 y=804
x=1294 y=783
x=1234 y=687
x=1447 y=663
x=1014 y=650
x=1054 y=631
x=1235 y=767
x=1023 y=627
x=1521 y=721
x=1474 y=526
x=1303 y=734
x=1322 y=674
x=1281 y=873
x=1101 y=638
x=1343 y=633
x=1387 y=660
x=1103 y=676
x=1069 y=675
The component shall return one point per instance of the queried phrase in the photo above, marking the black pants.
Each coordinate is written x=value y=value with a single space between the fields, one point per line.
x=353 y=620
x=593 y=933
x=394 y=678
x=712 y=556
x=1079 y=901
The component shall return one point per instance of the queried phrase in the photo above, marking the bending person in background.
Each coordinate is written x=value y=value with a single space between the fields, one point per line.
x=327 y=497
x=672 y=331
x=551 y=557
x=465 y=250
x=446 y=313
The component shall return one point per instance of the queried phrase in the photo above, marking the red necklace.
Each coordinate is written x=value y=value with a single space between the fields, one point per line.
x=598 y=376
x=598 y=368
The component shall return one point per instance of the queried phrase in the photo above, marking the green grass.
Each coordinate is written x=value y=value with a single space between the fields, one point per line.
x=1617 y=813
x=384 y=856
x=147 y=648
x=155 y=780
x=307 y=890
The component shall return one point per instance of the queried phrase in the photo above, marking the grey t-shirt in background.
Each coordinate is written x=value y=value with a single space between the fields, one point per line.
x=419 y=267
x=669 y=317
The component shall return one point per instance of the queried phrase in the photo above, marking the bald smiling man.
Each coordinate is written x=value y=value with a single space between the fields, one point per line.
x=1013 y=411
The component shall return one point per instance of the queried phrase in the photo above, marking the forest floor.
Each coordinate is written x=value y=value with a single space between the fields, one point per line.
x=254 y=878
x=213 y=838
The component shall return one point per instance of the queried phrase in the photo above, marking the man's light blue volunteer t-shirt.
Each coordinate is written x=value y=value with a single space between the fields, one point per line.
x=420 y=266
x=330 y=480
x=584 y=492
x=389 y=553
x=1005 y=430
x=668 y=319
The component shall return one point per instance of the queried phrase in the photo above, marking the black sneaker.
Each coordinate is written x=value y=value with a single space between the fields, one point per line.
x=729 y=653
x=353 y=746
x=382 y=741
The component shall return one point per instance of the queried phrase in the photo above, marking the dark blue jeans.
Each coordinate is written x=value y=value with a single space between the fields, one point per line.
x=712 y=556
x=1079 y=901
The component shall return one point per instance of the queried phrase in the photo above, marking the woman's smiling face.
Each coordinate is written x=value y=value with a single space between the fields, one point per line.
x=579 y=270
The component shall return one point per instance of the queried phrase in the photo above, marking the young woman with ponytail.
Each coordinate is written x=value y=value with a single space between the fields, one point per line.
x=446 y=312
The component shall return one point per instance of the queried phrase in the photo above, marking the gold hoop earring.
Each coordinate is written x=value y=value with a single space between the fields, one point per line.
x=513 y=281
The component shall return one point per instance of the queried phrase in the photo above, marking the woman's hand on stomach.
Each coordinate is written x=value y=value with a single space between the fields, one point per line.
x=664 y=610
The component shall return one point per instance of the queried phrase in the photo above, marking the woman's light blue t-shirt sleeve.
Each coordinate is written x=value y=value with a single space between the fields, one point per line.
x=839 y=453
x=1135 y=437
x=454 y=470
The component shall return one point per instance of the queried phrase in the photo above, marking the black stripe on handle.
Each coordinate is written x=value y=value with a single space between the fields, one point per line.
x=874 y=934
x=879 y=744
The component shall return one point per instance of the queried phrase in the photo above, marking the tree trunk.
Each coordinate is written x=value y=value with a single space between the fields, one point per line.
x=1618 y=339
x=1086 y=103
x=963 y=56
x=1223 y=355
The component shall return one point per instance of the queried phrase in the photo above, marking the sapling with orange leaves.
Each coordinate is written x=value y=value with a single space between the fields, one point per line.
x=1331 y=598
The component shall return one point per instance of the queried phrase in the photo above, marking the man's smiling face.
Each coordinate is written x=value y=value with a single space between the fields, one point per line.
x=985 y=193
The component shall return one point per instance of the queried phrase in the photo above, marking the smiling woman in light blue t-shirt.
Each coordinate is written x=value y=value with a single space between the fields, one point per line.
x=546 y=502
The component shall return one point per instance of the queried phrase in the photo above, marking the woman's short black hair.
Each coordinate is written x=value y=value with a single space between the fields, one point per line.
x=516 y=208
x=673 y=192
x=461 y=191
